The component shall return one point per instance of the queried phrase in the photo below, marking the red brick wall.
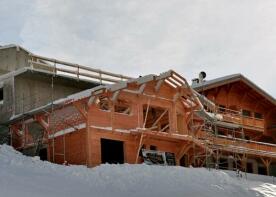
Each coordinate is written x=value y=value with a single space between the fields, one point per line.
x=75 y=148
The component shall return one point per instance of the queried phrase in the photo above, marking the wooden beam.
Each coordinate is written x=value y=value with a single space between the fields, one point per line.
x=146 y=117
x=91 y=100
x=142 y=88
x=244 y=162
x=139 y=147
x=159 y=118
x=81 y=108
x=165 y=128
x=203 y=161
x=158 y=85
x=42 y=122
x=185 y=148
x=267 y=163
x=176 y=97
x=172 y=82
x=115 y=96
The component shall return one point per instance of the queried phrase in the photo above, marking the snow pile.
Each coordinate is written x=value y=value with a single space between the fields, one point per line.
x=30 y=177
x=267 y=189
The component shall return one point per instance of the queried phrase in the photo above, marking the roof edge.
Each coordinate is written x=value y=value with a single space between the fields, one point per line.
x=231 y=79
x=14 y=46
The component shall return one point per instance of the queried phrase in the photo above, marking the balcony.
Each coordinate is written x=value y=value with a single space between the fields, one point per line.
x=240 y=145
x=236 y=117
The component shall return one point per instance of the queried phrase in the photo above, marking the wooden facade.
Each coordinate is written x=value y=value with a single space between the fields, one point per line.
x=241 y=102
x=113 y=123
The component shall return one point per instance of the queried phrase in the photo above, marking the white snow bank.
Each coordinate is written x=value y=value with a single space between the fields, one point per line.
x=29 y=177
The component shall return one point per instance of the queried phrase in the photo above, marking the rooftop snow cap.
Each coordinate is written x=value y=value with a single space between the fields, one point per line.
x=201 y=76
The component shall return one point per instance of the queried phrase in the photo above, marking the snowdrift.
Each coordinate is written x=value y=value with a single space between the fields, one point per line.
x=29 y=177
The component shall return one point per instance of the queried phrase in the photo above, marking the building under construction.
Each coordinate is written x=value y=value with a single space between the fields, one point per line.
x=69 y=113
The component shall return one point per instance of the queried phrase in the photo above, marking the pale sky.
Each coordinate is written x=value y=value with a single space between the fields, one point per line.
x=138 y=37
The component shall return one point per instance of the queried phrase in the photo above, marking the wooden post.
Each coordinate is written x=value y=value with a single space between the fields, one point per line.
x=244 y=162
x=53 y=144
x=173 y=119
x=11 y=133
x=267 y=163
x=88 y=138
x=112 y=109
x=64 y=147
x=184 y=149
x=146 y=117
x=139 y=147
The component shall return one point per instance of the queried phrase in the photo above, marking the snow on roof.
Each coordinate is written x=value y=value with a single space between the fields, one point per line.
x=87 y=93
x=110 y=87
x=229 y=79
x=14 y=45
x=216 y=80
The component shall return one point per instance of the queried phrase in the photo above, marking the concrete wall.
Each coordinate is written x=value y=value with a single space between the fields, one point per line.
x=6 y=108
x=12 y=59
x=33 y=90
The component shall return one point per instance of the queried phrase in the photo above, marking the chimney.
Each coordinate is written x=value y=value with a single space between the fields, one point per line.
x=202 y=75
x=195 y=81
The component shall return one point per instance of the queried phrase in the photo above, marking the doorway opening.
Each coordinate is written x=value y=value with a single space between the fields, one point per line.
x=43 y=154
x=112 y=151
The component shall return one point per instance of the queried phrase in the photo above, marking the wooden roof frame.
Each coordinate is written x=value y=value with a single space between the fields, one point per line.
x=206 y=85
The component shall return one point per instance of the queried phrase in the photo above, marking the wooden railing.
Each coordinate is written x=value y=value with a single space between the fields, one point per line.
x=236 y=117
x=253 y=122
x=74 y=70
x=260 y=146
x=240 y=145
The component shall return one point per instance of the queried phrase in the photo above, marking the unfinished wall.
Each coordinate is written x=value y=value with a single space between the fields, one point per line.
x=70 y=147
x=6 y=107
x=131 y=144
x=106 y=123
x=12 y=59
x=33 y=90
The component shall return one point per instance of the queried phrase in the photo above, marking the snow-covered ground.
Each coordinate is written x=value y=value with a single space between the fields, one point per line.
x=22 y=176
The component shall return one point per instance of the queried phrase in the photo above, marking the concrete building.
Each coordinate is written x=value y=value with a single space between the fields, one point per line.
x=28 y=81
